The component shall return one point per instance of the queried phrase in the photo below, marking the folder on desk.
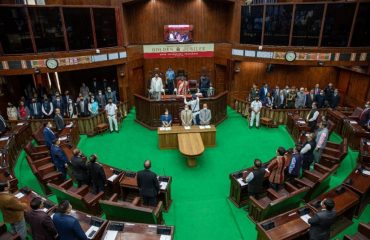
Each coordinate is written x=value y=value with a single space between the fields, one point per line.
x=187 y=128
x=63 y=138
x=112 y=178
x=111 y=235
x=305 y=218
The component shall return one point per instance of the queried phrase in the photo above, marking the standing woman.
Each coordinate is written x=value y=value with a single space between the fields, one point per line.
x=276 y=169
x=93 y=107
x=23 y=111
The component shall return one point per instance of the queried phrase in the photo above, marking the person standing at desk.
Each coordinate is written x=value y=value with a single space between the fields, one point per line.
x=194 y=107
x=148 y=185
x=79 y=168
x=59 y=158
x=49 y=135
x=186 y=116
x=58 y=119
x=166 y=119
x=322 y=221
x=42 y=226
x=97 y=174
x=68 y=227
x=294 y=168
x=365 y=115
x=321 y=140
x=205 y=115
x=276 y=169
x=255 y=179
x=312 y=117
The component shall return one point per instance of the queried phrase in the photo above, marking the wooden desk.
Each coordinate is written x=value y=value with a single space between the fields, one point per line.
x=167 y=139
x=137 y=231
x=364 y=154
x=6 y=175
x=130 y=190
x=295 y=125
x=72 y=135
x=360 y=184
x=285 y=226
x=354 y=132
x=149 y=111
x=191 y=146
x=346 y=204
x=25 y=195
x=337 y=118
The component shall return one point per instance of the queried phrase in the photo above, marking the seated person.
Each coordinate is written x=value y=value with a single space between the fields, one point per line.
x=166 y=119
x=205 y=115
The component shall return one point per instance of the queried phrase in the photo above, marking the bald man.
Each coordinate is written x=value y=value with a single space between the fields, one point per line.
x=148 y=185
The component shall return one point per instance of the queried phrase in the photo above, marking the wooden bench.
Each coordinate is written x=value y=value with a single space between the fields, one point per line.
x=191 y=146
x=101 y=128
x=267 y=122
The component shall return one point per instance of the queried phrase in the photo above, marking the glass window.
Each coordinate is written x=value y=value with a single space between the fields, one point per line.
x=277 y=24
x=14 y=33
x=307 y=24
x=251 y=24
x=105 y=27
x=361 y=32
x=78 y=26
x=336 y=27
x=47 y=29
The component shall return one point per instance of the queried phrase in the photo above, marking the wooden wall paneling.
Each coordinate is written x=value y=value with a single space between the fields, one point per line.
x=235 y=18
x=122 y=82
x=78 y=2
x=357 y=92
x=135 y=72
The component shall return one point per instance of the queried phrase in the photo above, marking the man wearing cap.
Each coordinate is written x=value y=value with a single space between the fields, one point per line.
x=148 y=185
x=322 y=221
x=194 y=107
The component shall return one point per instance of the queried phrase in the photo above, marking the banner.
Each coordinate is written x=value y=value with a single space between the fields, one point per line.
x=179 y=50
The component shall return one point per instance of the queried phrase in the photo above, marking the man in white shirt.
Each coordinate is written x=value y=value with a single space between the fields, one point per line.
x=156 y=87
x=194 y=107
x=256 y=106
x=111 y=111
x=312 y=117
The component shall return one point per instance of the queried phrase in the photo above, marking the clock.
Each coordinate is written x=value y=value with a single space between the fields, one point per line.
x=51 y=63
x=290 y=56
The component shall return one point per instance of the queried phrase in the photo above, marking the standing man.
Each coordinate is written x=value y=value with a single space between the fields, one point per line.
x=84 y=90
x=310 y=98
x=329 y=92
x=47 y=108
x=97 y=174
x=294 y=168
x=170 y=80
x=312 y=117
x=156 y=87
x=35 y=109
x=365 y=115
x=49 y=136
x=194 y=107
x=58 y=103
x=307 y=152
x=59 y=158
x=13 y=211
x=300 y=101
x=204 y=85
x=59 y=121
x=82 y=106
x=111 y=112
x=100 y=98
x=79 y=168
x=205 y=115
x=256 y=106
x=316 y=90
x=111 y=94
x=335 y=100
x=71 y=109
x=186 y=116
x=321 y=140
x=148 y=185
x=255 y=179
x=253 y=93
x=263 y=91
x=322 y=221
x=42 y=227
x=65 y=98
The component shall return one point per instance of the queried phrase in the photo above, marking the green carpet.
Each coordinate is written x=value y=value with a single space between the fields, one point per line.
x=200 y=208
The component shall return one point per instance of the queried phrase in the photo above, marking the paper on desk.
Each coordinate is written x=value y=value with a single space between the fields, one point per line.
x=305 y=218
x=20 y=124
x=167 y=128
x=161 y=129
x=165 y=237
x=4 y=138
x=241 y=182
x=114 y=176
x=63 y=138
x=207 y=126
x=301 y=122
x=45 y=210
x=368 y=143
x=19 y=195
x=187 y=127
x=352 y=122
x=201 y=127
x=91 y=229
x=111 y=235
x=69 y=125
x=163 y=185
x=366 y=172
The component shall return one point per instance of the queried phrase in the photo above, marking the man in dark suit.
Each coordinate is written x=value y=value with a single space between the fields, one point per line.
x=82 y=107
x=3 y=125
x=335 y=100
x=111 y=94
x=100 y=98
x=42 y=227
x=320 y=99
x=263 y=92
x=49 y=135
x=79 y=168
x=97 y=175
x=310 y=98
x=35 y=109
x=68 y=227
x=58 y=103
x=322 y=221
x=148 y=185
x=59 y=121
x=59 y=158
x=65 y=98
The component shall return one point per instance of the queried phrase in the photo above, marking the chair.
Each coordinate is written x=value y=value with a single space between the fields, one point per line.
x=275 y=203
x=45 y=172
x=101 y=128
x=317 y=180
x=80 y=198
x=131 y=211
x=362 y=234
x=5 y=235
x=356 y=114
x=334 y=153
x=36 y=152
x=193 y=86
